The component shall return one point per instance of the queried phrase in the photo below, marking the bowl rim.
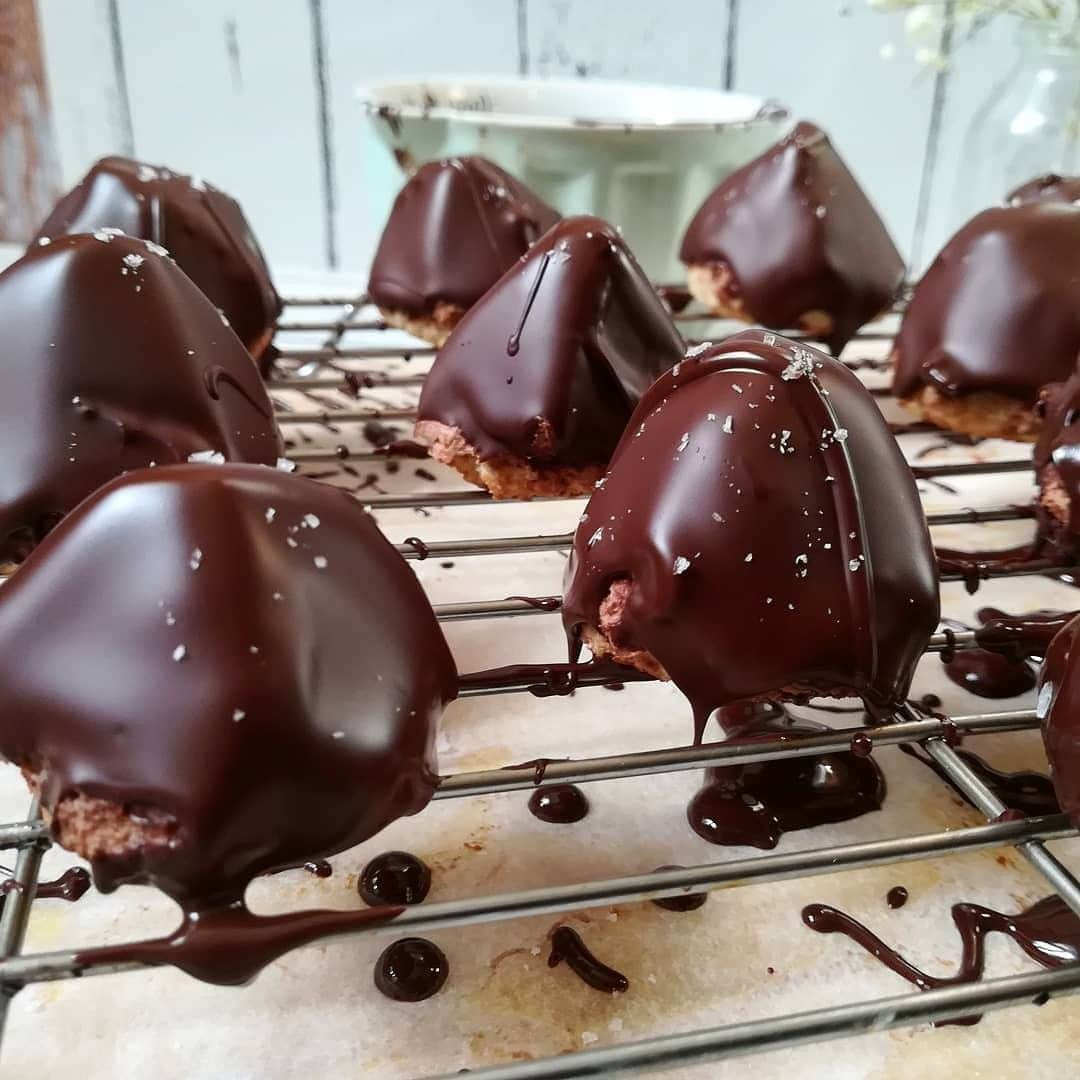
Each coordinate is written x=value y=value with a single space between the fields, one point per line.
x=760 y=111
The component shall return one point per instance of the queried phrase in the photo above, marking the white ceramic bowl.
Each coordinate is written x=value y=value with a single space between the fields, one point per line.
x=643 y=157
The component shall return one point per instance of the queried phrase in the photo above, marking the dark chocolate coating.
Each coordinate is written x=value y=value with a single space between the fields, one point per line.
x=203 y=229
x=456 y=227
x=1057 y=455
x=110 y=360
x=765 y=552
x=999 y=308
x=573 y=335
x=799 y=235
x=1058 y=709
x=1048 y=188
x=234 y=649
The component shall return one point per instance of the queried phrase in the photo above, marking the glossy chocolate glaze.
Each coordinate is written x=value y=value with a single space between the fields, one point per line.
x=1020 y=637
x=755 y=804
x=799 y=235
x=989 y=674
x=112 y=360
x=1048 y=188
x=229 y=945
x=770 y=529
x=572 y=335
x=226 y=703
x=1048 y=931
x=71 y=885
x=411 y=969
x=685 y=902
x=455 y=228
x=1057 y=462
x=396 y=878
x=203 y=229
x=559 y=804
x=1058 y=708
x=567 y=944
x=896 y=897
x=999 y=308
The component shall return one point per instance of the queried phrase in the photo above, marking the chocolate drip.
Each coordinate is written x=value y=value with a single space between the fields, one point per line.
x=456 y=226
x=566 y=944
x=1020 y=636
x=227 y=693
x=229 y=945
x=541 y=603
x=1030 y=793
x=204 y=230
x=412 y=969
x=549 y=680
x=896 y=897
x=379 y=434
x=758 y=533
x=755 y=804
x=559 y=804
x=319 y=867
x=975 y=567
x=394 y=877
x=1048 y=931
x=677 y=297
x=105 y=347
x=999 y=308
x=686 y=902
x=71 y=885
x=989 y=674
x=597 y=336
x=798 y=235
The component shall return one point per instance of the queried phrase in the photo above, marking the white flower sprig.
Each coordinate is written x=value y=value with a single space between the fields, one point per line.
x=924 y=22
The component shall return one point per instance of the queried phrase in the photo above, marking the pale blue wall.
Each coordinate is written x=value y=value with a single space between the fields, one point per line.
x=231 y=89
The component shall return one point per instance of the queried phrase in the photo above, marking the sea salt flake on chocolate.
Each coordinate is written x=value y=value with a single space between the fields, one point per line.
x=853 y=564
x=285 y=465
x=133 y=261
x=310 y=521
x=179 y=653
x=596 y=536
x=155 y=249
x=207 y=457
x=337 y=734
x=238 y=715
x=320 y=562
x=682 y=564
x=694 y=350
x=749 y=557
x=271 y=513
x=683 y=442
x=840 y=434
x=106 y=234
x=196 y=559
x=729 y=425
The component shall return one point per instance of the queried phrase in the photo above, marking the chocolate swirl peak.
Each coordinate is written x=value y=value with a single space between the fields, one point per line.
x=203 y=229
x=797 y=241
x=757 y=534
x=213 y=671
x=456 y=226
x=112 y=360
x=548 y=366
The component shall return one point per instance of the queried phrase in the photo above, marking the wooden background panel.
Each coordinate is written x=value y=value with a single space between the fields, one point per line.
x=27 y=156
x=225 y=88
x=685 y=42
x=370 y=41
x=828 y=67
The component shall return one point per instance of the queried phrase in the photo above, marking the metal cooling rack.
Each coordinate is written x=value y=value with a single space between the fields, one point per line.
x=321 y=374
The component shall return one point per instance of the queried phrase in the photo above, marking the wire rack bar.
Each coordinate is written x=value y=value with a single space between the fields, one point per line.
x=17 y=901
x=798 y=1029
x=674 y=759
x=18 y=971
x=344 y=382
